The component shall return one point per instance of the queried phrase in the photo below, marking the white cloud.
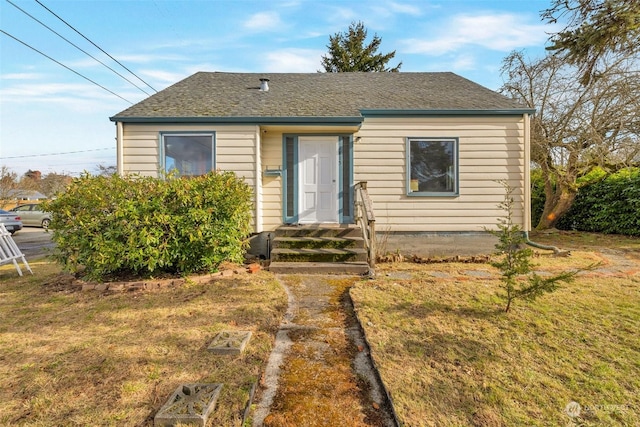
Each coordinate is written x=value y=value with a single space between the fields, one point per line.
x=463 y=62
x=408 y=9
x=43 y=90
x=500 y=32
x=161 y=76
x=293 y=61
x=340 y=18
x=75 y=97
x=148 y=58
x=263 y=21
x=21 y=76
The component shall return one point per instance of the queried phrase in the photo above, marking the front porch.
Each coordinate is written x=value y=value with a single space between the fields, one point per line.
x=327 y=248
x=318 y=248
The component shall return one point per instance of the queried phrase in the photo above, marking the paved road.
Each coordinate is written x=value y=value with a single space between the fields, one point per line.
x=33 y=242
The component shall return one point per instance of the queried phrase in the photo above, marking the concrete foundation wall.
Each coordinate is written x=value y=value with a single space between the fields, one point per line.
x=431 y=244
x=437 y=244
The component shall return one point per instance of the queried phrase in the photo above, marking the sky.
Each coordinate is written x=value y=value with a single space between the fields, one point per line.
x=55 y=118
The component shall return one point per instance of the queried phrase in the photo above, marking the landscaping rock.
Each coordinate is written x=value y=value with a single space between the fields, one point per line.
x=189 y=404
x=230 y=342
x=116 y=287
x=88 y=287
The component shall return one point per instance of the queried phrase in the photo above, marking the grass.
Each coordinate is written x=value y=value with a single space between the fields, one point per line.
x=446 y=351
x=589 y=241
x=450 y=356
x=90 y=358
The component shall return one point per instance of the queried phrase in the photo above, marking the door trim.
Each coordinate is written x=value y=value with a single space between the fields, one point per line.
x=289 y=177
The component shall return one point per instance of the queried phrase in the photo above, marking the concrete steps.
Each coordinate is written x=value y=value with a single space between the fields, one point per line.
x=318 y=249
x=355 y=268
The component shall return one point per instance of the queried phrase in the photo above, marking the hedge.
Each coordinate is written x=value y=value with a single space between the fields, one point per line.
x=144 y=226
x=610 y=205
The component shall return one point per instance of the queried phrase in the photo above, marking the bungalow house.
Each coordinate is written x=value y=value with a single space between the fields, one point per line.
x=430 y=146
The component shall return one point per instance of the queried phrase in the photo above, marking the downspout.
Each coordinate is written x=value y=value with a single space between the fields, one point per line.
x=556 y=251
x=527 y=173
x=258 y=182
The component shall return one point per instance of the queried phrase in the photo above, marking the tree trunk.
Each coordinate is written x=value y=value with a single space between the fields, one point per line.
x=556 y=205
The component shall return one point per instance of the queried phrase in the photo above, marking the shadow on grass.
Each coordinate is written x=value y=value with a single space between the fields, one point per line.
x=429 y=308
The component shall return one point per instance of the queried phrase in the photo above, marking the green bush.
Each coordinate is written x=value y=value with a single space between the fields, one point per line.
x=113 y=226
x=537 y=196
x=609 y=206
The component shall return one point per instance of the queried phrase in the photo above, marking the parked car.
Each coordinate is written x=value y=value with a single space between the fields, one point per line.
x=32 y=215
x=11 y=221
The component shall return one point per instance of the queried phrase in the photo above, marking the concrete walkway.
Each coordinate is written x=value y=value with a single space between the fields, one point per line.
x=320 y=372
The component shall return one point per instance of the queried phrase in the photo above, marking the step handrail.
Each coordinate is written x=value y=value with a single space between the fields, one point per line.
x=366 y=219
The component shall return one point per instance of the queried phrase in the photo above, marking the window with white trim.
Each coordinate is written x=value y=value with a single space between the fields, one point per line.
x=432 y=165
x=188 y=154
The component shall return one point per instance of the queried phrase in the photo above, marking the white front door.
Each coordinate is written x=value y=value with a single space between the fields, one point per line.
x=318 y=189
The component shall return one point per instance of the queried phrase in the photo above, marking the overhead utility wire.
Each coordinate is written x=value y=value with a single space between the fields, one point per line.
x=56 y=154
x=103 y=51
x=61 y=64
x=74 y=45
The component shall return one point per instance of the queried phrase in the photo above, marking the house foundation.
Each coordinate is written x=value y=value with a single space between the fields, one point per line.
x=425 y=244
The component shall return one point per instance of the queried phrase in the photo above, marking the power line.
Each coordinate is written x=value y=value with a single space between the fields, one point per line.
x=102 y=50
x=72 y=44
x=56 y=154
x=61 y=64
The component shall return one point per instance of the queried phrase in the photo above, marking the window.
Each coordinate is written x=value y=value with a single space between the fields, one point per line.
x=433 y=166
x=189 y=154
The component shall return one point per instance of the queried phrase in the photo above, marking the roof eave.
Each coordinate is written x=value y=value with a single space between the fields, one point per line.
x=328 y=121
x=442 y=113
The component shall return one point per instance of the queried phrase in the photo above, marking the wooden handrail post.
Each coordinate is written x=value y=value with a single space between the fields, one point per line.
x=373 y=249
x=365 y=218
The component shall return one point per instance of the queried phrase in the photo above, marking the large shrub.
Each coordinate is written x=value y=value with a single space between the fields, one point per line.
x=143 y=226
x=537 y=196
x=610 y=206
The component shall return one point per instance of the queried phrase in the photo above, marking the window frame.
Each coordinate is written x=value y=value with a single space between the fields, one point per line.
x=162 y=155
x=456 y=170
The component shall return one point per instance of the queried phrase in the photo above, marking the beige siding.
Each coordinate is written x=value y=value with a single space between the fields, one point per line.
x=490 y=149
x=272 y=185
x=236 y=148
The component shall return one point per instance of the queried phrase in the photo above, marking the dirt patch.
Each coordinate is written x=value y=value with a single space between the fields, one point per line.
x=69 y=283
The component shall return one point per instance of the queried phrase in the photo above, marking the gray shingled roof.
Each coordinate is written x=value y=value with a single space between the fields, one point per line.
x=237 y=95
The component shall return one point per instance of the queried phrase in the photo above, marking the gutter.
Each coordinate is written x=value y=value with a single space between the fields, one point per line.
x=367 y=112
x=355 y=121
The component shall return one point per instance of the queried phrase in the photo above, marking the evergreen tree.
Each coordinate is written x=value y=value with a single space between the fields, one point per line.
x=596 y=29
x=348 y=52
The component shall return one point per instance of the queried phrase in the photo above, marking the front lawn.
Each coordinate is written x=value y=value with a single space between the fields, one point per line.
x=69 y=357
x=450 y=356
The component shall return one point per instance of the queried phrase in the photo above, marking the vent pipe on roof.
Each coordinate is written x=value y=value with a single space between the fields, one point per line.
x=264 y=85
